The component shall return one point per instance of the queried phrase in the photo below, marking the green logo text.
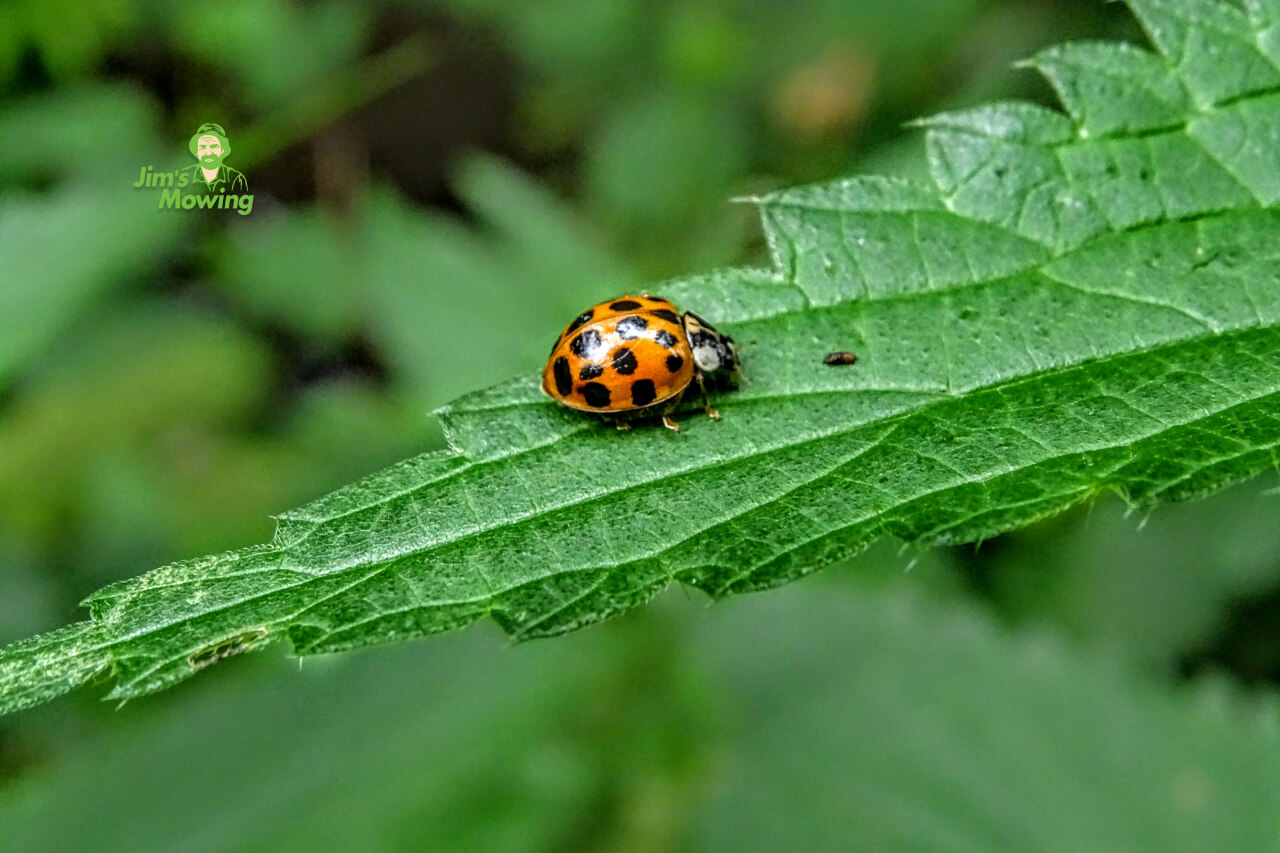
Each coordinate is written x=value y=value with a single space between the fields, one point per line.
x=208 y=183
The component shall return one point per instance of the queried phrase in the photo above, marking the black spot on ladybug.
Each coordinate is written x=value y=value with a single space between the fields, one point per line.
x=665 y=338
x=586 y=344
x=582 y=318
x=630 y=328
x=624 y=305
x=590 y=371
x=667 y=314
x=624 y=361
x=596 y=395
x=642 y=392
x=674 y=363
x=658 y=299
x=564 y=380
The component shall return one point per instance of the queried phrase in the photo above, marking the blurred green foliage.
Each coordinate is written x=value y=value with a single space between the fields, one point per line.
x=167 y=383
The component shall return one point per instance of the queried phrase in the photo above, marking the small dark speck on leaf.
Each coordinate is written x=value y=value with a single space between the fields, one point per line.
x=839 y=357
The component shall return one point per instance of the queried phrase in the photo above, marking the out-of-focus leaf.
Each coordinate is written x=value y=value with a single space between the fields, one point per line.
x=274 y=50
x=142 y=375
x=100 y=133
x=69 y=38
x=537 y=234
x=451 y=304
x=468 y=745
x=45 y=285
x=880 y=723
x=390 y=272
x=819 y=717
x=61 y=251
x=203 y=485
x=1151 y=586
x=663 y=162
x=301 y=270
x=661 y=156
x=27 y=598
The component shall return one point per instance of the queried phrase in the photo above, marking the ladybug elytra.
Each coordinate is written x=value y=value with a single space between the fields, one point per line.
x=635 y=357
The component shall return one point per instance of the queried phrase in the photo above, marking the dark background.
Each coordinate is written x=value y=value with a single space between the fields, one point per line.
x=438 y=188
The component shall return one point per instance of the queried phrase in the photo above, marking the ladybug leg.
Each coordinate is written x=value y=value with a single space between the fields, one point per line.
x=670 y=424
x=622 y=426
x=706 y=401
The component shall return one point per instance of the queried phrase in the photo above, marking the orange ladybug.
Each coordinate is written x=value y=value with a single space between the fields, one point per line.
x=634 y=357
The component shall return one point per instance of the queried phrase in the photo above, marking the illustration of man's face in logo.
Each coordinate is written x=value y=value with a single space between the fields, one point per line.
x=209 y=151
x=210 y=145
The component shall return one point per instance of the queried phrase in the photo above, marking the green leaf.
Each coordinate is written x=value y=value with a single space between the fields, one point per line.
x=492 y=750
x=525 y=238
x=45 y=286
x=1187 y=564
x=1057 y=314
x=908 y=726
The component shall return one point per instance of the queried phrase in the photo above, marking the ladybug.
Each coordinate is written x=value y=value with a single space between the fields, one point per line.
x=635 y=357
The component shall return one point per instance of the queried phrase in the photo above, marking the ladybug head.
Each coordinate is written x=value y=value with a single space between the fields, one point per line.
x=713 y=351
